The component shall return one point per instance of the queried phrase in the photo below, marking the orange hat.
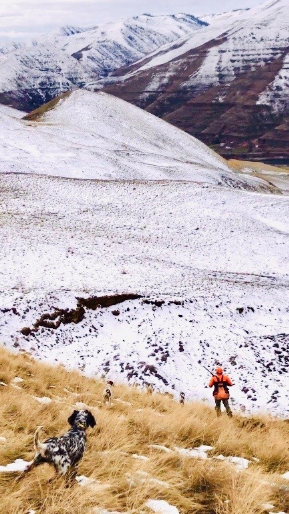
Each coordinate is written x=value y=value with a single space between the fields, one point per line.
x=219 y=370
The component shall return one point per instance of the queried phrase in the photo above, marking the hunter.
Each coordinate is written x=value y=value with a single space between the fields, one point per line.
x=221 y=392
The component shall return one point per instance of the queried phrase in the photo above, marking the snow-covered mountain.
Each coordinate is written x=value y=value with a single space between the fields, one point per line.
x=212 y=18
x=164 y=261
x=10 y=47
x=83 y=134
x=227 y=83
x=223 y=79
x=73 y=57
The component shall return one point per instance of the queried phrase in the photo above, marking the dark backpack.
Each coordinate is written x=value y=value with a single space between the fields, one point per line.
x=220 y=383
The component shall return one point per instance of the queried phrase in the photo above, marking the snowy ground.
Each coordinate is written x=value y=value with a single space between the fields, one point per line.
x=216 y=256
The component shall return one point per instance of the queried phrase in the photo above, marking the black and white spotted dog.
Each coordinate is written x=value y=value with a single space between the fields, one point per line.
x=66 y=451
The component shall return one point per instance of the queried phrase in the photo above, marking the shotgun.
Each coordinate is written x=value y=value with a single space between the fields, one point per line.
x=208 y=370
x=213 y=375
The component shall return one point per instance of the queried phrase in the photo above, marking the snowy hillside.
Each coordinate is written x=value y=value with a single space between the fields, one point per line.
x=251 y=35
x=227 y=83
x=95 y=135
x=73 y=57
x=109 y=47
x=210 y=19
x=192 y=256
x=209 y=262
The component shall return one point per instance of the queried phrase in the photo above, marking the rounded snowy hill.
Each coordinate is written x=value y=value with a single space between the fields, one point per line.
x=98 y=136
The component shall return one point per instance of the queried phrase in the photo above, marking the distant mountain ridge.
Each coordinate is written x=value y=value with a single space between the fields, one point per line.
x=223 y=79
x=33 y=74
x=227 y=84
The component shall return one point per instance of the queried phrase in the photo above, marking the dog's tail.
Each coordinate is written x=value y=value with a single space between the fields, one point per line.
x=39 y=447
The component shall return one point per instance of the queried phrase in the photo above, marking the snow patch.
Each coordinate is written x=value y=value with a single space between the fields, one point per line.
x=43 y=399
x=17 y=380
x=199 y=452
x=161 y=507
x=91 y=483
x=17 y=465
x=239 y=462
x=140 y=457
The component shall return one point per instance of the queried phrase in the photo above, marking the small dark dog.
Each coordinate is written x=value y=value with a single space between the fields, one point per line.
x=66 y=451
x=107 y=392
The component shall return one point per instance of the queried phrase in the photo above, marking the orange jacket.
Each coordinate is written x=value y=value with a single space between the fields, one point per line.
x=220 y=383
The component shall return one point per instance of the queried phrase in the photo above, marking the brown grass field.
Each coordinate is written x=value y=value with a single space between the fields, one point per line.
x=125 y=430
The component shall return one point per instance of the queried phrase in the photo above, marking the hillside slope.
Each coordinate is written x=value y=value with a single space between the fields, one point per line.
x=97 y=136
x=147 y=453
x=205 y=267
x=226 y=84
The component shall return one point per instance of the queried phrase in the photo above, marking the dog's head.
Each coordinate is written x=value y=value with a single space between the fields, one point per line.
x=82 y=419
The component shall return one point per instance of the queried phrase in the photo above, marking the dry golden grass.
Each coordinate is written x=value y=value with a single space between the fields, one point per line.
x=256 y=166
x=125 y=430
x=271 y=174
x=37 y=114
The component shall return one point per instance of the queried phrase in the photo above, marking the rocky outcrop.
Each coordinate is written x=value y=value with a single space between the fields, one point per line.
x=65 y=316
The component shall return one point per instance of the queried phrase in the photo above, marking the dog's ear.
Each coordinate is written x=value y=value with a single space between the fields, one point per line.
x=90 y=420
x=72 y=418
